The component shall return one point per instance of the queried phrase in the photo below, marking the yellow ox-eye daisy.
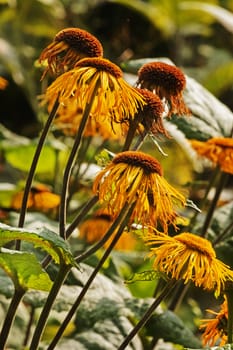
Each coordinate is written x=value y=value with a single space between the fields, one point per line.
x=68 y=120
x=217 y=149
x=114 y=97
x=136 y=177
x=189 y=257
x=215 y=329
x=168 y=82
x=69 y=46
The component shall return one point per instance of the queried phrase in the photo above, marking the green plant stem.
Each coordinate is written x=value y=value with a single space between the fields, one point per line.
x=70 y=163
x=73 y=226
x=222 y=182
x=167 y=289
x=81 y=216
x=229 y=295
x=127 y=211
x=103 y=240
x=204 y=199
x=223 y=234
x=10 y=316
x=34 y=165
x=30 y=323
x=133 y=124
x=63 y=272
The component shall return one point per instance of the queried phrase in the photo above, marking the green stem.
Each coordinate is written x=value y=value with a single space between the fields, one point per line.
x=222 y=182
x=34 y=164
x=81 y=215
x=227 y=230
x=63 y=271
x=204 y=199
x=103 y=240
x=167 y=289
x=229 y=296
x=133 y=124
x=73 y=226
x=128 y=211
x=30 y=323
x=10 y=316
x=70 y=163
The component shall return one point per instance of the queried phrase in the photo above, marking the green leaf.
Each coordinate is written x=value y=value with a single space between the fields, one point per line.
x=150 y=275
x=45 y=239
x=24 y=270
x=172 y=329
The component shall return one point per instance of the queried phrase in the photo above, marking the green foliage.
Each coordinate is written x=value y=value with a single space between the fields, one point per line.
x=45 y=239
x=24 y=270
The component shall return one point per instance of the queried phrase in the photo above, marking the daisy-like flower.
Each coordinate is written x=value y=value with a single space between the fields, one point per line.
x=168 y=82
x=151 y=115
x=189 y=257
x=68 y=120
x=3 y=83
x=69 y=46
x=115 y=98
x=136 y=177
x=40 y=198
x=215 y=329
x=93 y=229
x=217 y=149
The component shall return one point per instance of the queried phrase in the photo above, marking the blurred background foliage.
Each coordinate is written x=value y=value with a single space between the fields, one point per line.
x=195 y=35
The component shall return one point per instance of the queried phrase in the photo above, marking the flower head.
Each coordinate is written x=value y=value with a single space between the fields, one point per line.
x=68 y=119
x=40 y=198
x=3 y=83
x=189 y=257
x=151 y=115
x=167 y=81
x=69 y=46
x=114 y=99
x=217 y=149
x=136 y=177
x=93 y=229
x=215 y=329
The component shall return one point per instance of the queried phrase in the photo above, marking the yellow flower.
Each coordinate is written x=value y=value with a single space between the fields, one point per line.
x=191 y=258
x=168 y=82
x=136 y=177
x=3 y=83
x=215 y=329
x=217 y=149
x=68 y=120
x=69 y=46
x=115 y=99
x=93 y=229
x=40 y=198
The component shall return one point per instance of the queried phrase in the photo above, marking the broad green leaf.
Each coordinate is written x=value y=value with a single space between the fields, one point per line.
x=172 y=329
x=24 y=270
x=45 y=239
x=220 y=79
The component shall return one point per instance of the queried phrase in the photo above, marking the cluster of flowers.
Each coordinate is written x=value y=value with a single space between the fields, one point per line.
x=86 y=82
